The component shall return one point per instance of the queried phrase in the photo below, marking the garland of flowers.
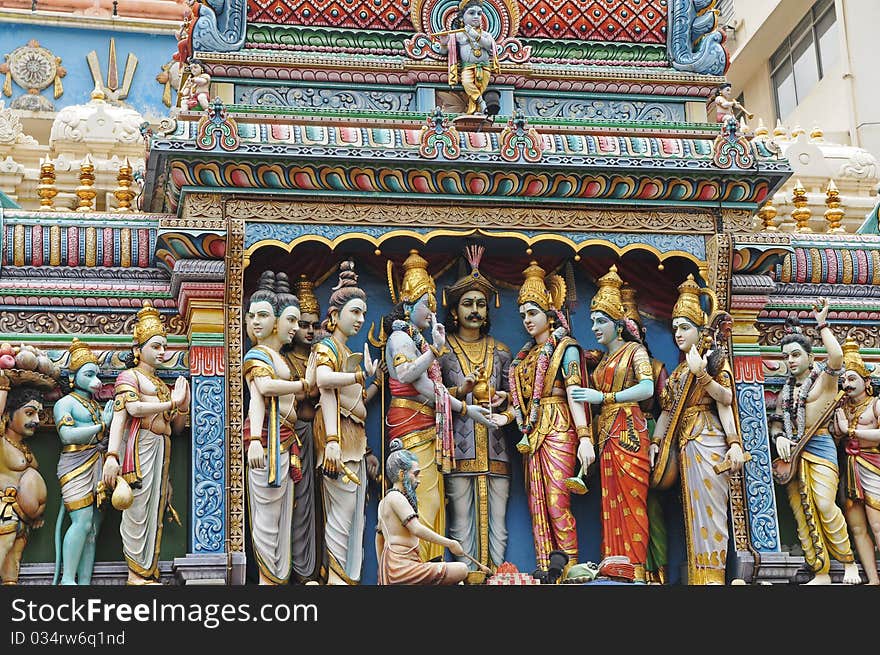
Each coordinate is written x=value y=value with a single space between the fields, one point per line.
x=787 y=394
x=527 y=426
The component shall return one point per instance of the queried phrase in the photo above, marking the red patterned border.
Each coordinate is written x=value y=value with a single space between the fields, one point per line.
x=628 y=21
x=207 y=360
x=748 y=369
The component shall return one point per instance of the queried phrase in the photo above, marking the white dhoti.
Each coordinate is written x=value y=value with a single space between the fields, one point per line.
x=79 y=475
x=271 y=516
x=141 y=525
x=344 y=504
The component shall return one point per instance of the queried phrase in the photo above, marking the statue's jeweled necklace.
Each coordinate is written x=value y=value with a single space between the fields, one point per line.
x=787 y=394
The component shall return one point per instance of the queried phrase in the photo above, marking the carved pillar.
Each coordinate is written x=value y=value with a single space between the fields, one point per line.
x=201 y=304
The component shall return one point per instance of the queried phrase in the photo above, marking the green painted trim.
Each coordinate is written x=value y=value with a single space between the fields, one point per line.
x=97 y=339
x=263 y=34
x=8 y=203
x=596 y=50
x=575 y=95
x=211 y=339
x=746 y=350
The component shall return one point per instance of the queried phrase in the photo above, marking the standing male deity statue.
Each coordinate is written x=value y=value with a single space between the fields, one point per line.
x=22 y=487
x=273 y=455
x=308 y=520
x=621 y=380
x=476 y=370
x=555 y=427
x=82 y=427
x=806 y=398
x=699 y=417
x=472 y=54
x=858 y=423
x=145 y=414
x=339 y=428
x=658 y=539
x=420 y=414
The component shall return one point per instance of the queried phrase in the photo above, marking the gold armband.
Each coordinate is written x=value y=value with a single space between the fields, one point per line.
x=254 y=437
x=330 y=438
x=359 y=377
x=123 y=397
x=704 y=378
x=436 y=352
x=112 y=454
x=584 y=431
x=608 y=398
x=573 y=375
x=463 y=408
x=307 y=388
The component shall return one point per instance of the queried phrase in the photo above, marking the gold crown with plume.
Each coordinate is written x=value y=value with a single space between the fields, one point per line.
x=852 y=360
x=688 y=303
x=608 y=299
x=416 y=281
x=546 y=291
x=305 y=291
x=80 y=355
x=149 y=324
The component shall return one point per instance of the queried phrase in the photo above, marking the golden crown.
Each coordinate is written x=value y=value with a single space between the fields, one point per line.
x=305 y=291
x=80 y=355
x=688 y=303
x=607 y=299
x=465 y=3
x=852 y=360
x=630 y=304
x=546 y=291
x=416 y=280
x=149 y=324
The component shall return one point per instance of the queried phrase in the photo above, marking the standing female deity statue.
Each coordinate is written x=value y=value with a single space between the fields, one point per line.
x=145 y=414
x=555 y=427
x=621 y=380
x=699 y=419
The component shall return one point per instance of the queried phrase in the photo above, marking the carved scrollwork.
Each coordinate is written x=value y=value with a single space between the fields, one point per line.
x=234 y=415
x=208 y=465
x=24 y=322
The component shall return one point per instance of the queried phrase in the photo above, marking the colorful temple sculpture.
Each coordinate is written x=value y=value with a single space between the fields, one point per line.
x=332 y=241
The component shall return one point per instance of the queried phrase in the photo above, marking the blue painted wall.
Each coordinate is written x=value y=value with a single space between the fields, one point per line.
x=73 y=44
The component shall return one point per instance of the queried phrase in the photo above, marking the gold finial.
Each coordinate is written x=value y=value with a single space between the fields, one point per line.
x=834 y=214
x=779 y=132
x=80 y=355
x=801 y=213
x=816 y=134
x=796 y=131
x=546 y=291
x=607 y=299
x=98 y=94
x=46 y=188
x=852 y=360
x=688 y=303
x=630 y=304
x=761 y=131
x=149 y=324
x=767 y=213
x=417 y=281
x=86 y=189
x=305 y=291
x=124 y=194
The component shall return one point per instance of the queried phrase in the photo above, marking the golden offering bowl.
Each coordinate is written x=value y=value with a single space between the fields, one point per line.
x=475 y=577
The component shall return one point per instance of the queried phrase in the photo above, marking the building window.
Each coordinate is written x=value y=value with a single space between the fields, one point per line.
x=804 y=57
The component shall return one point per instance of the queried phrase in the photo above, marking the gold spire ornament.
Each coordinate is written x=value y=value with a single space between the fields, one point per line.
x=86 y=189
x=80 y=355
x=149 y=324
x=852 y=360
x=834 y=214
x=305 y=291
x=473 y=281
x=688 y=303
x=767 y=213
x=801 y=213
x=608 y=299
x=546 y=291
x=416 y=281
x=124 y=193
x=46 y=188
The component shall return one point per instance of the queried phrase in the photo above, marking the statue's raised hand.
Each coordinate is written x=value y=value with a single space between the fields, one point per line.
x=107 y=414
x=438 y=333
x=179 y=393
x=820 y=311
x=696 y=363
x=370 y=364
